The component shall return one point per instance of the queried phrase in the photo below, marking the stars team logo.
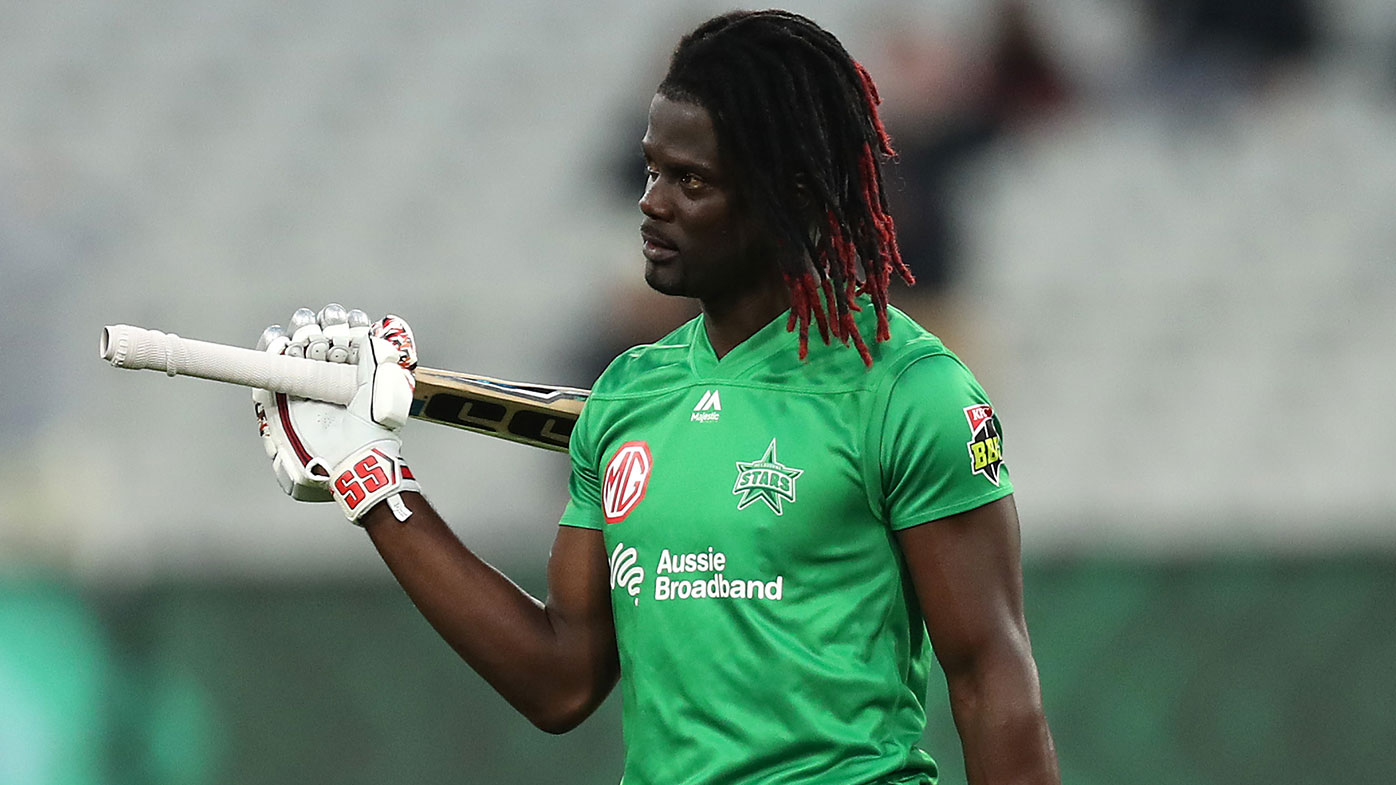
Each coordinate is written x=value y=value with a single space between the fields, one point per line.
x=765 y=479
x=985 y=444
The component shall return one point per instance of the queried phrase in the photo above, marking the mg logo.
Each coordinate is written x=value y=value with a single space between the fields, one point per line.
x=627 y=477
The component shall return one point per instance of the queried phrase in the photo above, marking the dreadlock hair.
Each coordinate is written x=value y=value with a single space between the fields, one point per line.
x=797 y=115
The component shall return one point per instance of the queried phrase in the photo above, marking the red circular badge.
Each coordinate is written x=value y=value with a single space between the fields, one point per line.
x=627 y=478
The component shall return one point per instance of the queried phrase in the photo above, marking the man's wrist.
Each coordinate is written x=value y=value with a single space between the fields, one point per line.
x=382 y=512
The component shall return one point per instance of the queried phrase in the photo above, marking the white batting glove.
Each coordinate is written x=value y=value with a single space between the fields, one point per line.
x=322 y=451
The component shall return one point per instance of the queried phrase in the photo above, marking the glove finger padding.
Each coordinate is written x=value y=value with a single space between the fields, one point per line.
x=302 y=328
x=334 y=320
x=396 y=331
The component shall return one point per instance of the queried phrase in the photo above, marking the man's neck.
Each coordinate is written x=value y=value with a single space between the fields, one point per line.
x=730 y=322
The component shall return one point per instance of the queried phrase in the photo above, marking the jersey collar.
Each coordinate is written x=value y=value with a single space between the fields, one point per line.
x=761 y=345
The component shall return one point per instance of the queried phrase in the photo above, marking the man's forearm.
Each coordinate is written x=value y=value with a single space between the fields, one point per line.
x=998 y=712
x=550 y=667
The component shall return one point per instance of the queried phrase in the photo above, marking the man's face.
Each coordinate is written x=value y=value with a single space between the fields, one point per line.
x=698 y=242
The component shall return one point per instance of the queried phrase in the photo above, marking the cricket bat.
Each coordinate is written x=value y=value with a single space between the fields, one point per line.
x=532 y=414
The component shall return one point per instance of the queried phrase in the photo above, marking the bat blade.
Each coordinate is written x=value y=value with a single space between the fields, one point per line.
x=533 y=414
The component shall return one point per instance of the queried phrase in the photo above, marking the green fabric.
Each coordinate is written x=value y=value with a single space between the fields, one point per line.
x=768 y=630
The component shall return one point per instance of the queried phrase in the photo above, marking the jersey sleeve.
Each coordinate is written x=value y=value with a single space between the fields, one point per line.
x=584 y=487
x=940 y=446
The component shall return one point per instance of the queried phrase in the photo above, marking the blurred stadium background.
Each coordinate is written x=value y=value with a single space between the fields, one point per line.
x=1162 y=232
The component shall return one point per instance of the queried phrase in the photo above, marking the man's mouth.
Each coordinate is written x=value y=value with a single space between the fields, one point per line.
x=657 y=247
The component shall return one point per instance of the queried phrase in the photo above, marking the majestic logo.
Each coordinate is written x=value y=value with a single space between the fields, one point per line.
x=709 y=408
x=627 y=478
x=766 y=479
x=985 y=444
x=625 y=571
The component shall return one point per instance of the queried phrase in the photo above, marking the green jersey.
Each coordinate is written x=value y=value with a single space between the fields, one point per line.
x=767 y=626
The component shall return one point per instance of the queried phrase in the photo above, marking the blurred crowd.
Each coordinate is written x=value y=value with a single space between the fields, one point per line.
x=947 y=99
x=1192 y=182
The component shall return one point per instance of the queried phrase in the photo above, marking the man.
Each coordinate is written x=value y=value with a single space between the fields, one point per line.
x=762 y=529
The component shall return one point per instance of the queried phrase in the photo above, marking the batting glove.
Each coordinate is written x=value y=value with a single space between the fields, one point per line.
x=351 y=454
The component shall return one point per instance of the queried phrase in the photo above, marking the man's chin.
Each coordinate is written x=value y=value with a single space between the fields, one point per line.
x=665 y=279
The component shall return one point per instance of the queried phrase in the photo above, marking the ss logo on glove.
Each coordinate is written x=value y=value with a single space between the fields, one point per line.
x=362 y=480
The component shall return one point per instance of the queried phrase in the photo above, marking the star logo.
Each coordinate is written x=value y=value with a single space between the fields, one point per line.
x=765 y=479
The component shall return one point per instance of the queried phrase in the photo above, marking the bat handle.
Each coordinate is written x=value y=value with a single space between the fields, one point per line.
x=136 y=348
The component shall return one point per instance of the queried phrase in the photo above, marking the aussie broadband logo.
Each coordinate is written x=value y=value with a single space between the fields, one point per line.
x=626 y=572
x=626 y=480
x=683 y=576
x=765 y=479
x=690 y=576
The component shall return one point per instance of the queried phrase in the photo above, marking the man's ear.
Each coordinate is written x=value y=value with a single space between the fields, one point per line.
x=804 y=201
x=803 y=195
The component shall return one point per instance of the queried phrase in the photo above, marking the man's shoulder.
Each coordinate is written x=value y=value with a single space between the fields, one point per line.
x=907 y=341
x=841 y=367
x=649 y=366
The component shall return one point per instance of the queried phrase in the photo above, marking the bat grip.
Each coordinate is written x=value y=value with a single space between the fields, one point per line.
x=136 y=348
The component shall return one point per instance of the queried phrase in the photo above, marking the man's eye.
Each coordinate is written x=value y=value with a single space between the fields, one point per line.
x=690 y=181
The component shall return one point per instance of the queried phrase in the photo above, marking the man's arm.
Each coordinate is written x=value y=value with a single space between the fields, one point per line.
x=970 y=585
x=554 y=661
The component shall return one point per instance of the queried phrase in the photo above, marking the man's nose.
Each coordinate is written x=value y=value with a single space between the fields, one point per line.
x=654 y=203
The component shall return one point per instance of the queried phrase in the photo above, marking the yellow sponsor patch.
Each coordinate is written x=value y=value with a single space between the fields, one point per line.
x=985 y=443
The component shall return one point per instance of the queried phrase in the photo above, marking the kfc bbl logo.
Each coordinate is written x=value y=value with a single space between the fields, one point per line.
x=985 y=445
